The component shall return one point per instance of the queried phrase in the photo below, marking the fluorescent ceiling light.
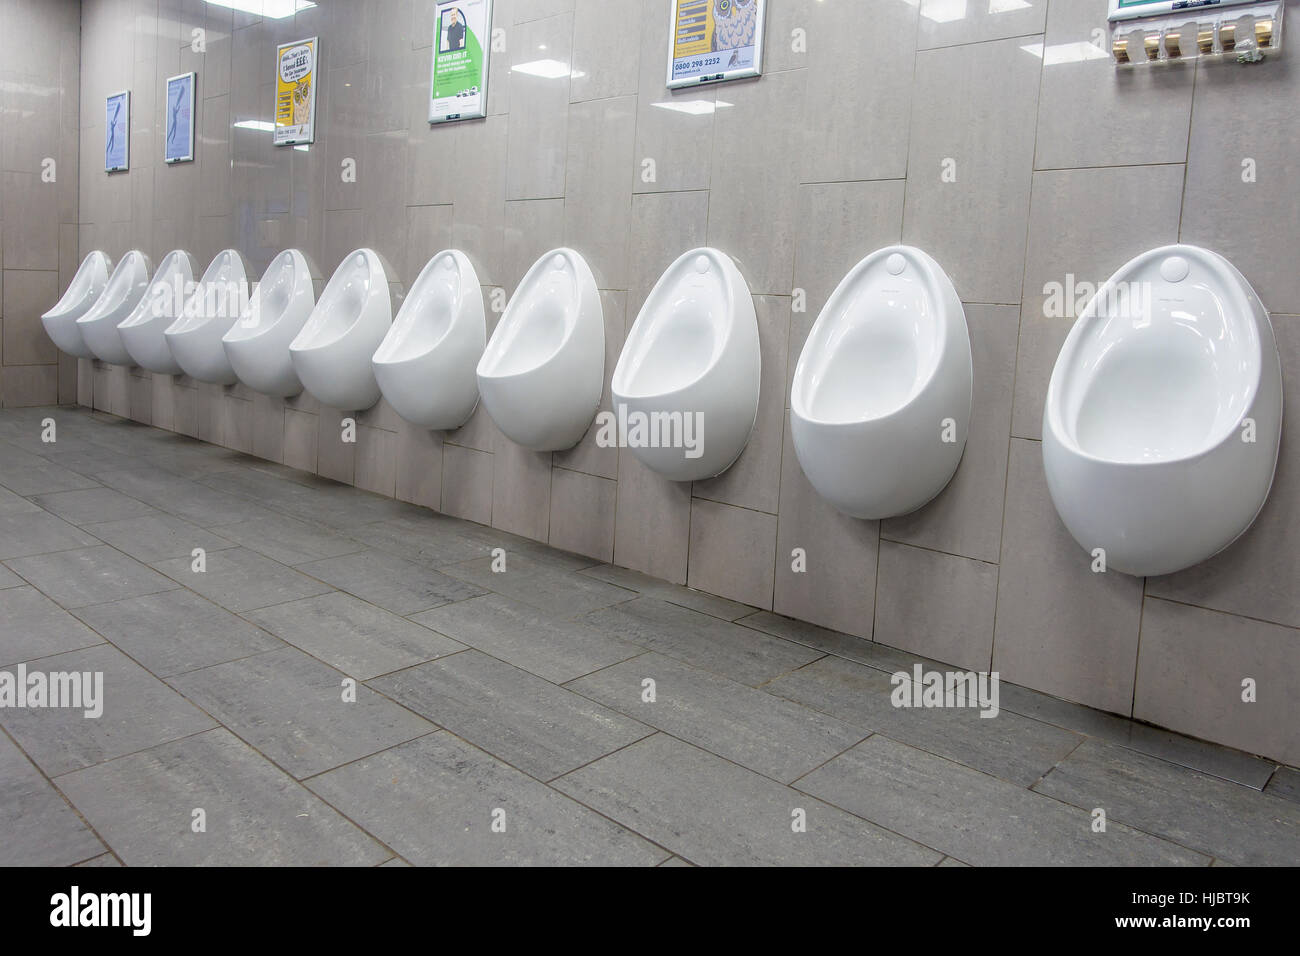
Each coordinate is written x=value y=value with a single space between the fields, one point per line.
x=271 y=9
x=1058 y=53
x=943 y=11
x=261 y=125
x=692 y=107
x=546 y=69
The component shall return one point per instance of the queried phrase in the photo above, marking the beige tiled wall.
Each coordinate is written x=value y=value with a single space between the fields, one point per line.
x=39 y=92
x=1067 y=168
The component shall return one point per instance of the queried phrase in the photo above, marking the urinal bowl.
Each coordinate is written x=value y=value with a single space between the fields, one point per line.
x=332 y=353
x=195 y=337
x=80 y=297
x=257 y=345
x=881 y=400
x=426 y=364
x=1162 y=423
x=688 y=376
x=542 y=373
x=142 y=331
x=125 y=288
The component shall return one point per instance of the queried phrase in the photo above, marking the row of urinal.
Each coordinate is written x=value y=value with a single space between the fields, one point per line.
x=1140 y=440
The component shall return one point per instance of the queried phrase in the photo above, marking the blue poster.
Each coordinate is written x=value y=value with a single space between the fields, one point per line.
x=117 y=133
x=178 y=125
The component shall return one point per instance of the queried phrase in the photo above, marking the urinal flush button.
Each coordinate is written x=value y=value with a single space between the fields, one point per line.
x=701 y=264
x=1174 y=269
x=557 y=262
x=448 y=262
x=895 y=264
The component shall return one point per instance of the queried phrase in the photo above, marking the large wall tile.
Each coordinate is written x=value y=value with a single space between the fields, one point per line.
x=583 y=513
x=936 y=605
x=539 y=111
x=606 y=49
x=967 y=109
x=950 y=22
x=1061 y=627
x=1191 y=668
x=652 y=522
x=732 y=552
x=598 y=198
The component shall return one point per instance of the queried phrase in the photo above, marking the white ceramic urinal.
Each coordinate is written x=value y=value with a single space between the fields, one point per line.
x=142 y=330
x=426 y=364
x=881 y=401
x=1164 y=413
x=125 y=288
x=686 y=386
x=83 y=292
x=195 y=336
x=542 y=373
x=257 y=345
x=332 y=353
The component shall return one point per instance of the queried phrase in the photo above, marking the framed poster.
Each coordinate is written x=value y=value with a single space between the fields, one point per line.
x=462 y=43
x=117 y=133
x=178 y=143
x=713 y=40
x=1132 y=9
x=295 y=93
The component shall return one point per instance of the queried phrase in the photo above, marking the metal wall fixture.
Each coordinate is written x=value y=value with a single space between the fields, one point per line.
x=1244 y=30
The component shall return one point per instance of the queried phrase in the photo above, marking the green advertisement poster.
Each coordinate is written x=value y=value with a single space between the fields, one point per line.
x=462 y=41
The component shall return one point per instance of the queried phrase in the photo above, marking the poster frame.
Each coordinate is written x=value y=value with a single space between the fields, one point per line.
x=188 y=156
x=435 y=119
x=291 y=135
x=694 y=80
x=125 y=97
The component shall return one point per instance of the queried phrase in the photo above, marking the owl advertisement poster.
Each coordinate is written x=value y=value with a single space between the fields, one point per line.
x=295 y=93
x=713 y=40
x=462 y=43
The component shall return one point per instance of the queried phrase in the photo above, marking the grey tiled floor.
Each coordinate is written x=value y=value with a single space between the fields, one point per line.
x=349 y=682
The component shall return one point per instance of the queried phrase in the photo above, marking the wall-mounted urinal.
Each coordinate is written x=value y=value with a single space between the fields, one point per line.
x=426 y=364
x=691 y=365
x=881 y=401
x=82 y=293
x=1164 y=413
x=195 y=336
x=125 y=288
x=142 y=330
x=332 y=353
x=542 y=373
x=277 y=309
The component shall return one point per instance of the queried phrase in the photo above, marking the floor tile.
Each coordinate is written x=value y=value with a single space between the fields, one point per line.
x=528 y=722
x=672 y=593
x=291 y=708
x=157 y=537
x=288 y=540
x=256 y=815
x=532 y=582
x=392 y=583
x=139 y=711
x=176 y=631
x=1222 y=819
x=714 y=813
x=778 y=739
x=92 y=505
x=8 y=579
x=739 y=653
x=39 y=827
x=38 y=532
x=528 y=638
x=104 y=859
x=430 y=544
x=976 y=818
x=361 y=640
x=34 y=626
x=90 y=576
x=1015 y=748
x=432 y=800
x=242 y=580
x=27 y=474
x=1285 y=783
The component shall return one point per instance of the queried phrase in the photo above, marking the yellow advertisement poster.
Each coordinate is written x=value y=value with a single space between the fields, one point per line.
x=715 y=40
x=295 y=93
